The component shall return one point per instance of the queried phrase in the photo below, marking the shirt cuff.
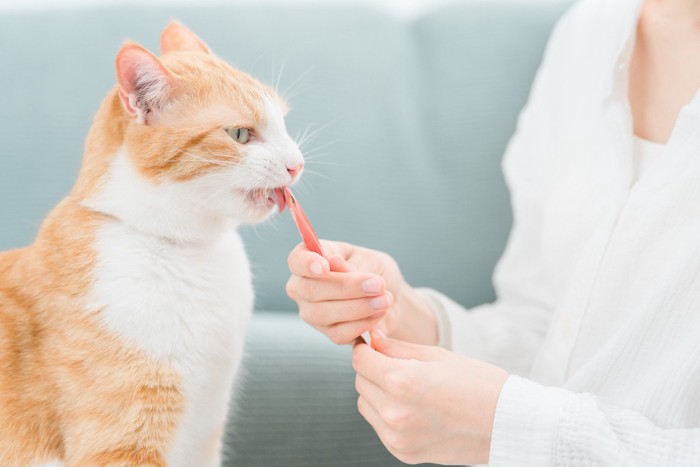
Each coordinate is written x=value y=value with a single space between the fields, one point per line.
x=525 y=425
x=438 y=304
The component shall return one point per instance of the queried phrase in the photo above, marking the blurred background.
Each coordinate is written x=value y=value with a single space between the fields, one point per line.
x=401 y=8
x=425 y=92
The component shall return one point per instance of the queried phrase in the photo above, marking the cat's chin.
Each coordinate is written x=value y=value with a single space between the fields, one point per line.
x=260 y=203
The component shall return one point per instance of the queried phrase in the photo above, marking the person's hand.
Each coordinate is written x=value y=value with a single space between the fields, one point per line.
x=355 y=290
x=425 y=403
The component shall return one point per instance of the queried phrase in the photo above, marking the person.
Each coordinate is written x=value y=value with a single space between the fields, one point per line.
x=590 y=354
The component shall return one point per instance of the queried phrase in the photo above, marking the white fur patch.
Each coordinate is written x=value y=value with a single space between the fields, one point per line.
x=182 y=212
x=183 y=302
x=187 y=305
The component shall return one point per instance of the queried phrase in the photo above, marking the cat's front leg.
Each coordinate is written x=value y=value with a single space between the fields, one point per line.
x=123 y=457
x=123 y=431
x=215 y=449
x=120 y=407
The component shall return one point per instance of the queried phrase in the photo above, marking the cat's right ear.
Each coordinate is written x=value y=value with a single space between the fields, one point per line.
x=144 y=85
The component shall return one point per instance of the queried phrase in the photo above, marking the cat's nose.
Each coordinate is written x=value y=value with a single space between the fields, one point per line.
x=294 y=171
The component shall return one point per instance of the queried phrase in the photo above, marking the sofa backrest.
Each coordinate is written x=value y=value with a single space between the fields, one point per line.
x=412 y=118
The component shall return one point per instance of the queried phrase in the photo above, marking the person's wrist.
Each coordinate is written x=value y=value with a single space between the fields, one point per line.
x=416 y=320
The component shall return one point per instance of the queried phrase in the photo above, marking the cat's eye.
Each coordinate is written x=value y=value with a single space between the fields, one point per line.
x=241 y=135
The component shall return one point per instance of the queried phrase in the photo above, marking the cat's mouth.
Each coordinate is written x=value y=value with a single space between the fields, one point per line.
x=267 y=197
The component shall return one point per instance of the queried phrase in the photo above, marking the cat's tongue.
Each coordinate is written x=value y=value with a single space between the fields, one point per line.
x=279 y=199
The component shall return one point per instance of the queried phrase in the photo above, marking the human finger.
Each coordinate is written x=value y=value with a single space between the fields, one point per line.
x=306 y=263
x=371 y=364
x=371 y=415
x=346 y=332
x=398 y=443
x=339 y=286
x=372 y=393
x=330 y=312
x=397 y=348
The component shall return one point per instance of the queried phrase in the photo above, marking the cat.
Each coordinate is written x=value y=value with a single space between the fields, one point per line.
x=122 y=326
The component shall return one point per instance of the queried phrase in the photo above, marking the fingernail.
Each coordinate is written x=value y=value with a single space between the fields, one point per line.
x=316 y=268
x=380 y=302
x=372 y=285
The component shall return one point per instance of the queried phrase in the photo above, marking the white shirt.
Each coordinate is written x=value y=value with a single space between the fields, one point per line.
x=644 y=154
x=597 y=314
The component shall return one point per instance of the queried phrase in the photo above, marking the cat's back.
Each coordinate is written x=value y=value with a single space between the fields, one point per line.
x=8 y=260
x=26 y=394
x=16 y=310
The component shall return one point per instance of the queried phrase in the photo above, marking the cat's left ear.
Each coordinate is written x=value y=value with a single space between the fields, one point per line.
x=178 y=38
x=144 y=85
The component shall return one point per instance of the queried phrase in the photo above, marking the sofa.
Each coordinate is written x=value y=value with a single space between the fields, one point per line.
x=409 y=120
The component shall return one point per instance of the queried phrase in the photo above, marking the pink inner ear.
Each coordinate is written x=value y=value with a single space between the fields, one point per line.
x=144 y=84
x=176 y=37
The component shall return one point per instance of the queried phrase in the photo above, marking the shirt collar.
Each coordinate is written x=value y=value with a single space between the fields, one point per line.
x=623 y=18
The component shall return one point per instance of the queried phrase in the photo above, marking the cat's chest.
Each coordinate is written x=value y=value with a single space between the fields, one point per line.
x=172 y=301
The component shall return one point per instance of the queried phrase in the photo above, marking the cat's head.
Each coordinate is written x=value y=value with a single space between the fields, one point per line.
x=199 y=139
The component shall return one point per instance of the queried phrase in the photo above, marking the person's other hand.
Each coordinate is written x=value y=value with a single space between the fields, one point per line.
x=425 y=403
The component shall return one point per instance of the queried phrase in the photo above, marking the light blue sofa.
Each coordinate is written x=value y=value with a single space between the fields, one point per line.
x=412 y=120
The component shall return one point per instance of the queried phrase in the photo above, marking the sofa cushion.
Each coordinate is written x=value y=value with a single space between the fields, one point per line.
x=412 y=120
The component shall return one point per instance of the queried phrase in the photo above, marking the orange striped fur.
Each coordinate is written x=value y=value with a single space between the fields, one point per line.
x=72 y=388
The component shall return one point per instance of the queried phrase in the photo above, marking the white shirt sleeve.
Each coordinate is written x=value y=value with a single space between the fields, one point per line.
x=537 y=425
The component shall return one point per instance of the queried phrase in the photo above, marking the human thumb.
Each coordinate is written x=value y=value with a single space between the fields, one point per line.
x=396 y=348
x=338 y=264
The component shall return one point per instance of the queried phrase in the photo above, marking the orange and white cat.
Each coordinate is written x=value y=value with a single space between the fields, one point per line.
x=122 y=326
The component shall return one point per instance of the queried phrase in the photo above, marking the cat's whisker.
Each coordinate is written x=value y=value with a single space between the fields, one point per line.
x=195 y=157
x=304 y=137
x=254 y=227
x=228 y=187
x=315 y=132
x=197 y=206
x=315 y=154
x=319 y=148
x=299 y=92
x=274 y=68
x=304 y=189
x=222 y=154
x=279 y=77
x=314 y=161
x=214 y=175
x=299 y=78
x=300 y=139
x=255 y=184
x=288 y=94
x=194 y=160
x=317 y=174
x=251 y=69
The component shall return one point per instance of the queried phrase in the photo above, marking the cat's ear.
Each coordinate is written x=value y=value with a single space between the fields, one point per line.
x=144 y=84
x=176 y=37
